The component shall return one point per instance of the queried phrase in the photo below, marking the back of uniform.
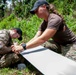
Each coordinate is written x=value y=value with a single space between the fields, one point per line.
x=5 y=41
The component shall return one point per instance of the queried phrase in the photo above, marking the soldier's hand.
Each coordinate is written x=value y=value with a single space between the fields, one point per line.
x=17 y=48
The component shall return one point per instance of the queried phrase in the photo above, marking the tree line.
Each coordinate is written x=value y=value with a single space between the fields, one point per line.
x=21 y=8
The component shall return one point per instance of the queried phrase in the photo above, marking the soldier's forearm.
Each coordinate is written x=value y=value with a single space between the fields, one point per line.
x=5 y=50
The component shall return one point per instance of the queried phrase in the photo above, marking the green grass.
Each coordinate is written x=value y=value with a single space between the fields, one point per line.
x=10 y=71
x=29 y=70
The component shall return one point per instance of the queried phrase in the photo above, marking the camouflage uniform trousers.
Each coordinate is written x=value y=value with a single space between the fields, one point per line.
x=52 y=46
x=10 y=59
x=68 y=51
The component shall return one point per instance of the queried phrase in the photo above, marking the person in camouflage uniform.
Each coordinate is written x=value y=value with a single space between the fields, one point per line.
x=7 y=57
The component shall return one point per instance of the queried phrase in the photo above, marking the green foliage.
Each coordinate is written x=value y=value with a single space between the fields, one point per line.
x=29 y=26
x=66 y=7
x=22 y=8
x=71 y=22
x=32 y=26
x=8 y=22
x=9 y=71
x=1 y=11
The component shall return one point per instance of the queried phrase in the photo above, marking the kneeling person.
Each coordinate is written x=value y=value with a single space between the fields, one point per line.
x=7 y=57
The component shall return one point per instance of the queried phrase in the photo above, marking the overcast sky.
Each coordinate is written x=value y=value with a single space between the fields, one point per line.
x=8 y=3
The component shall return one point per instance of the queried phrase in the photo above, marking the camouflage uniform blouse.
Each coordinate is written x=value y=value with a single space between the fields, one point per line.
x=5 y=42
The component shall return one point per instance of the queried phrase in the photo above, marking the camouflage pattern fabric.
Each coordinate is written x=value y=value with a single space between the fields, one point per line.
x=53 y=46
x=5 y=39
x=68 y=51
x=7 y=57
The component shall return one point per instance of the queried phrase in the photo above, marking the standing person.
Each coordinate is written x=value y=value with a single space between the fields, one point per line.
x=7 y=57
x=53 y=26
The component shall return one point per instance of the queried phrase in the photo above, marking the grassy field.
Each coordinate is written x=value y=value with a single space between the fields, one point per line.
x=12 y=70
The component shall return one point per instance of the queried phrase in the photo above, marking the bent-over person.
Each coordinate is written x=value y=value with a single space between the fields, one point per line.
x=7 y=57
x=53 y=27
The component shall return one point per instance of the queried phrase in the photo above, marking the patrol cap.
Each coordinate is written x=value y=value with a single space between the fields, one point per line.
x=37 y=4
x=19 y=31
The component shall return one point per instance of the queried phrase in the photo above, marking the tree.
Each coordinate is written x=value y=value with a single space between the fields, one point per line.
x=2 y=8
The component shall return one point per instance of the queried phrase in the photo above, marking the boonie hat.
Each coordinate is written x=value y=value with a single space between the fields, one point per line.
x=37 y=4
x=19 y=31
